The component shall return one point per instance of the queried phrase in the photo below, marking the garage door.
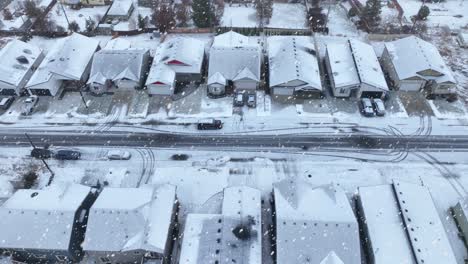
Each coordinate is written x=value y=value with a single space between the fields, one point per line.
x=7 y=92
x=41 y=92
x=371 y=94
x=410 y=86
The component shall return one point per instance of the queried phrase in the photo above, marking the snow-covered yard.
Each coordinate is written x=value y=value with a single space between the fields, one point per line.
x=291 y=16
x=452 y=13
x=80 y=16
x=239 y=15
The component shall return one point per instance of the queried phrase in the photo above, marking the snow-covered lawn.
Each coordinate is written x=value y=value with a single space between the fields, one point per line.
x=339 y=24
x=452 y=13
x=17 y=6
x=80 y=16
x=239 y=15
x=291 y=16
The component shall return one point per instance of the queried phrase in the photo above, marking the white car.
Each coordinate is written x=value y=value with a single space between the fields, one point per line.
x=29 y=104
x=379 y=107
x=118 y=155
x=365 y=105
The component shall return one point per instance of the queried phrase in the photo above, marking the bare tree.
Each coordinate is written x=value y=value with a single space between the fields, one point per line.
x=31 y=9
x=7 y=14
x=182 y=15
x=163 y=18
x=73 y=26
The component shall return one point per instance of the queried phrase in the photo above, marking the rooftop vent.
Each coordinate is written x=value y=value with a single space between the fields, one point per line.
x=27 y=51
x=22 y=59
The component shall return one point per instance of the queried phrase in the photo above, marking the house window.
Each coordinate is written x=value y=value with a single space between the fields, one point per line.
x=61 y=258
x=342 y=90
x=105 y=259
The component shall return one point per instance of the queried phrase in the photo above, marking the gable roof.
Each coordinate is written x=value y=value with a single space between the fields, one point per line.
x=72 y=58
x=210 y=237
x=120 y=8
x=118 y=64
x=367 y=65
x=293 y=59
x=140 y=223
x=183 y=55
x=411 y=55
x=311 y=222
x=41 y=219
x=231 y=39
x=17 y=58
x=332 y=258
x=240 y=59
x=342 y=65
x=161 y=73
x=217 y=78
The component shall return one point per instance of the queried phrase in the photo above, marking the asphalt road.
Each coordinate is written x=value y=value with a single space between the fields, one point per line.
x=301 y=141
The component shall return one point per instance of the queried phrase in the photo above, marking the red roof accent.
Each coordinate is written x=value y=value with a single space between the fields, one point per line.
x=158 y=83
x=175 y=62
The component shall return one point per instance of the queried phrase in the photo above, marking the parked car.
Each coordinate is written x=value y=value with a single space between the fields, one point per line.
x=29 y=104
x=210 y=125
x=41 y=153
x=252 y=100
x=6 y=102
x=67 y=154
x=365 y=105
x=379 y=107
x=239 y=99
x=118 y=155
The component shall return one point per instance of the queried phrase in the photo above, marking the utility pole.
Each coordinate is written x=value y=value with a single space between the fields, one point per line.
x=83 y=99
x=52 y=174
x=65 y=13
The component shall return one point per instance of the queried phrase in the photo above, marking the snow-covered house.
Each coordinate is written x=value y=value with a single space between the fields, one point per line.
x=313 y=222
x=95 y=2
x=416 y=65
x=118 y=44
x=66 y=65
x=18 y=60
x=120 y=10
x=127 y=225
x=113 y=70
x=462 y=39
x=234 y=64
x=383 y=226
x=460 y=212
x=294 y=69
x=354 y=70
x=46 y=226
x=400 y=220
x=176 y=60
x=234 y=235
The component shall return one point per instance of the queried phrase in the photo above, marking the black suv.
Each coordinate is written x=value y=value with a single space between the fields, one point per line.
x=215 y=124
x=66 y=154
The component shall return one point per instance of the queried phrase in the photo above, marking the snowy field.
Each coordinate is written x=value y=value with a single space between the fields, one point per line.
x=291 y=16
x=452 y=13
x=206 y=172
x=239 y=15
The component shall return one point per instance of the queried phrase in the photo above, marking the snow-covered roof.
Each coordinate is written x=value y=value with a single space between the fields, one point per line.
x=411 y=56
x=425 y=229
x=118 y=44
x=41 y=219
x=385 y=227
x=211 y=238
x=234 y=63
x=342 y=65
x=17 y=58
x=183 y=55
x=312 y=222
x=294 y=61
x=120 y=8
x=332 y=258
x=231 y=39
x=139 y=221
x=367 y=65
x=117 y=64
x=72 y=58
x=43 y=73
x=161 y=74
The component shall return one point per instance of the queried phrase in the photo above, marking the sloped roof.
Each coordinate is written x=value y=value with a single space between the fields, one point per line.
x=311 y=222
x=231 y=61
x=342 y=65
x=120 y=8
x=245 y=73
x=210 y=237
x=118 y=44
x=412 y=55
x=293 y=60
x=73 y=56
x=43 y=73
x=118 y=64
x=386 y=230
x=428 y=236
x=141 y=222
x=183 y=55
x=231 y=39
x=161 y=73
x=217 y=78
x=17 y=58
x=41 y=219
x=332 y=258
x=367 y=65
